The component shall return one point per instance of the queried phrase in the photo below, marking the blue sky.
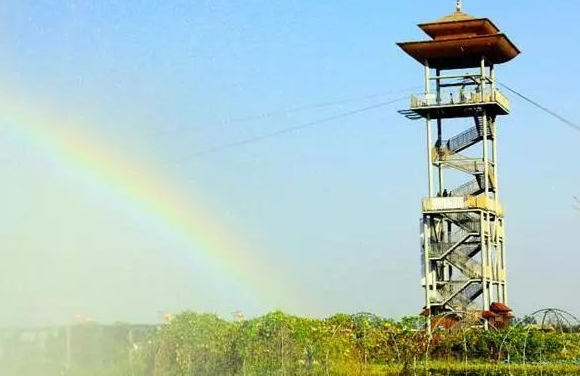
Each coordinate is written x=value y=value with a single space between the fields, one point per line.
x=335 y=207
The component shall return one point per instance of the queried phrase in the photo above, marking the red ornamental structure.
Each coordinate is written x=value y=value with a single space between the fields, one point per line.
x=463 y=232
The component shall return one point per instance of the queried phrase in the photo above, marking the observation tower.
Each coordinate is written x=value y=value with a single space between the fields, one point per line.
x=463 y=235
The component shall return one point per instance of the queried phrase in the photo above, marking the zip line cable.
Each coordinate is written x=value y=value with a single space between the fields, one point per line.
x=554 y=114
x=336 y=102
x=543 y=108
x=280 y=132
x=284 y=131
x=306 y=107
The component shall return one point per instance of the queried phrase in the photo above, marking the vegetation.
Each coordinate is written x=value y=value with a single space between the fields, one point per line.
x=280 y=344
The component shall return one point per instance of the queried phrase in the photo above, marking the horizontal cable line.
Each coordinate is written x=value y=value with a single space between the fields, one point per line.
x=336 y=102
x=284 y=131
x=297 y=109
x=543 y=108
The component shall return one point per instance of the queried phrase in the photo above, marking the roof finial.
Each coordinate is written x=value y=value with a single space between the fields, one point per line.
x=458 y=6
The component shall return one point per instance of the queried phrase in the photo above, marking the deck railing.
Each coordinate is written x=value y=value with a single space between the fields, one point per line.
x=502 y=99
x=459 y=98
x=462 y=203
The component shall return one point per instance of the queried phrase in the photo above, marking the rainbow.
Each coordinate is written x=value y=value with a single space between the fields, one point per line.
x=145 y=190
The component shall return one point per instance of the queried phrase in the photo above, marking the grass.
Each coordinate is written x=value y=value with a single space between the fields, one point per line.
x=433 y=368
x=477 y=369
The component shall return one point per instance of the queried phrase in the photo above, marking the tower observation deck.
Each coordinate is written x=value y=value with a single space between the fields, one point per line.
x=463 y=234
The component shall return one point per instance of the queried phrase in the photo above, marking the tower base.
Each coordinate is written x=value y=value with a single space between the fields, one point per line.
x=498 y=316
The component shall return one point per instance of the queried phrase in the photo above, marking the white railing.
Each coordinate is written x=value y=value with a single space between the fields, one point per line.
x=458 y=98
x=502 y=100
x=462 y=203
x=444 y=203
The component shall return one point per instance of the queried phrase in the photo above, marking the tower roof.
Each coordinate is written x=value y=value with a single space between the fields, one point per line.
x=459 y=40
x=458 y=15
x=457 y=25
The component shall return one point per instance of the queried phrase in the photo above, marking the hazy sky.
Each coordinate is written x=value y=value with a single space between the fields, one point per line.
x=328 y=216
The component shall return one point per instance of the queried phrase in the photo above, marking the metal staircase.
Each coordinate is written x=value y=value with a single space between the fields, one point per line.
x=458 y=250
x=464 y=299
x=468 y=221
x=473 y=166
x=458 y=295
x=447 y=154
x=461 y=260
x=466 y=138
x=472 y=188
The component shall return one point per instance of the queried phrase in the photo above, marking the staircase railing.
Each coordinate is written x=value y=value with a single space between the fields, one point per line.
x=452 y=291
x=468 y=266
x=466 y=220
x=468 y=189
x=461 y=162
x=457 y=239
x=467 y=295
x=463 y=140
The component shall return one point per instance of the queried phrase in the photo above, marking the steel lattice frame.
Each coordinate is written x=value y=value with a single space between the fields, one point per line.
x=463 y=237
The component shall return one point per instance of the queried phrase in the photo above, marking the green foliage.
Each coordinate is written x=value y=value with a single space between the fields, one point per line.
x=194 y=344
x=280 y=344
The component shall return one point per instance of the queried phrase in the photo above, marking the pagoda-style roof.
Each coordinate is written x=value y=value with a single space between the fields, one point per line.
x=457 y=25
x=458 y=15
x=459 y=53
x=460 y=41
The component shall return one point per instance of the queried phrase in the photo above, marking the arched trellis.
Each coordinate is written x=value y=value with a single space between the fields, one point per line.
x=510 y=345
x=541 y=320
x=544 y=320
